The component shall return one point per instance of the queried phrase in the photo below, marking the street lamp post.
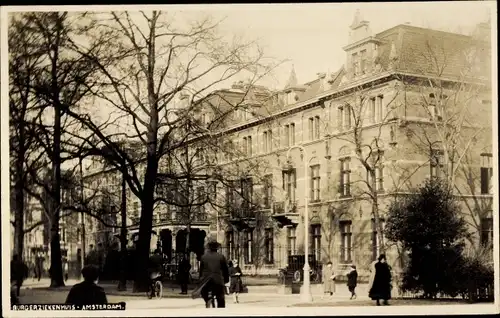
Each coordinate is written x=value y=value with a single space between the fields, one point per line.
x=305 y=291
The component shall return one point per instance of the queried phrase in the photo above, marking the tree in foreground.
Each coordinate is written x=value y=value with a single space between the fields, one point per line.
x=428 y=225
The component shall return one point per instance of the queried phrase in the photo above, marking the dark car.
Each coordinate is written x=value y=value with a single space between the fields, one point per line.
x=294 y=272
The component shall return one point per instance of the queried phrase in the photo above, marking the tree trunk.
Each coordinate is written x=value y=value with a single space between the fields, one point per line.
x=56 y=275
x=122 y=284
x=146 y=224
x=19 y=216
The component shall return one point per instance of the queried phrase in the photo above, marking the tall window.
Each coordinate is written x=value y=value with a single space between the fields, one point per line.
x=267 y=140
x=316 y=241
x=340 y=118
x=247 y=145
x=487 y=231
x=269 y=245
x=290 y=183
x=347 y=113
x=372 y=109
x=345 y=242
x=248 y=247
x=268 y=190
x=292 y=240
x=379 y=173
x=136 y=209
x=363 y=61
x=230 y=194
x=292 y=134
x=380 y=108
x=355 y=63
x=247 y=192
x=345 y=177
x=212 y=190
x=435 y=107
x=486 y=173
x=315 y=183
x=311 y=128
x=436 y=163
x=376 y=247
x=230 y=250
x=286 y=134
x=201 y=199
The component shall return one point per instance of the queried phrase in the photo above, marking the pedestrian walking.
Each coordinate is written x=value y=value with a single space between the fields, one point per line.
x=87 y=292
x=183 y=274
x=39 y=265
x=352 y=281
x=236 y=284
x=18 y=272
x=214 y=275
x=381 y=286
x=66 y=269
x=328 y=278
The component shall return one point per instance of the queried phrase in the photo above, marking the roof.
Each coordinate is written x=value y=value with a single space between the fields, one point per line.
x=423 y=51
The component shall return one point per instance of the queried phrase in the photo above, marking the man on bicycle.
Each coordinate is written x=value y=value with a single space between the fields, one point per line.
x=214 y=275
x=155 y=269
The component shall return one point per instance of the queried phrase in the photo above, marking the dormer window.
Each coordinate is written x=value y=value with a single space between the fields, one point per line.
x=290 y=98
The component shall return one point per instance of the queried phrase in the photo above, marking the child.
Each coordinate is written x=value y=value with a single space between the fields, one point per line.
x=236 y=284
x=352 y=281
x=328 y=279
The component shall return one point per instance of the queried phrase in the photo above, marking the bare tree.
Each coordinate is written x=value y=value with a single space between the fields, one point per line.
x=154 y=58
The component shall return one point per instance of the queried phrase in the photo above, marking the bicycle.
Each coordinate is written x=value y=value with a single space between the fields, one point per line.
x=156 y=287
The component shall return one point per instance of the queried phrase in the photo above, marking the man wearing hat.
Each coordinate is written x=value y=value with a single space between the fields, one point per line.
x=214 y=274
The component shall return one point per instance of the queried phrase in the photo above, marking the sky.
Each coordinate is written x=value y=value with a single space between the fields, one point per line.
x=311 y=36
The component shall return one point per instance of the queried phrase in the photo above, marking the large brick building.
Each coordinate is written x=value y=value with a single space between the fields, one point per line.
x=409 y=103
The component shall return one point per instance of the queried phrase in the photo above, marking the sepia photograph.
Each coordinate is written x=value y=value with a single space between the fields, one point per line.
x=249 y=159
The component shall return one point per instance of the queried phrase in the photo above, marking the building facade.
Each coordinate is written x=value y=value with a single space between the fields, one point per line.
x=408 y=104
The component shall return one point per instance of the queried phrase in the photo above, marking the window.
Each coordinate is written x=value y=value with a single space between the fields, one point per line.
x=287 y=135
x=347 y=112
x=311 y=128
x=376 y=248
x=379 y=172
x=314 y=131
x=248 y=247
x=316 y=241
x=372 y=109
x=269 y=245
x=247 y=192
x=212 y=190
x=436 y=163
x=345 y=242
x=247 y=146
x=486 y=231
x=435 y=107
x=201 y=199
x=345 y=177
x=486 y=173
x=363 y=61
x=268 y=191
x=340 y=118
x=380 y=108
x=267 y=140
x=292 y=134
x=136 y=209
x=355 y=63
x=290 y=184
x=230 y=251
x=292 y=240
x=315 y=183
x=230 y=194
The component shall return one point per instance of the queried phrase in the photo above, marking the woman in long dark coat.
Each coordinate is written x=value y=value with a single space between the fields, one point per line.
x=381 y=287
x=236 y=284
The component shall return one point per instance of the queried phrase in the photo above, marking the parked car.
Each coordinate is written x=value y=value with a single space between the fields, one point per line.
x=294 y=271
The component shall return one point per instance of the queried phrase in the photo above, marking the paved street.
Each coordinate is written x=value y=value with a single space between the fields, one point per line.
x=258 y=296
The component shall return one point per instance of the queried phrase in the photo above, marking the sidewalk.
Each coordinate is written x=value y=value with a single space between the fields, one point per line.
x=173 y=290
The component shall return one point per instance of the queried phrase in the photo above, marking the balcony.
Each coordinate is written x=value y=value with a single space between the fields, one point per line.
x=285 y=213
x=242 y=216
